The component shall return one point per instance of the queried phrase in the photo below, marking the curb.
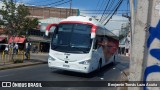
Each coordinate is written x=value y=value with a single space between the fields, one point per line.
x=11 y=67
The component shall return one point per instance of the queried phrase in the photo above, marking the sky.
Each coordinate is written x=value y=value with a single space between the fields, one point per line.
x=80 y=4
x=90 y=5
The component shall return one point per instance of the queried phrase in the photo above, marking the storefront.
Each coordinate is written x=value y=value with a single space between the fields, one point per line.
x=3 y=41
x=42 y=43
x=19 y=40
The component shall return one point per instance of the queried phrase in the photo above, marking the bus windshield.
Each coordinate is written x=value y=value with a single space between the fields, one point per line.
x=72 y=38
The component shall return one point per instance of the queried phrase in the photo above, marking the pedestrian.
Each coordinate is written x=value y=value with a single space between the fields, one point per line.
x=127 y=45
x=6 y=50
x=15 y=48
x=28 y=45
x=36 y=48
x=41 y=48
x=119 y=50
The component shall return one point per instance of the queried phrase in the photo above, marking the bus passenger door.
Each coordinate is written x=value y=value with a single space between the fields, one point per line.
x=97 y=53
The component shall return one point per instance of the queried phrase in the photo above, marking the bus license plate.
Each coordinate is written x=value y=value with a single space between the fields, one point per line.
x=67 y=66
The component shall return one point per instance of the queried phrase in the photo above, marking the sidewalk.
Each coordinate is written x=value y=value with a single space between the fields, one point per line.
x=124 y=76
x=34 y=60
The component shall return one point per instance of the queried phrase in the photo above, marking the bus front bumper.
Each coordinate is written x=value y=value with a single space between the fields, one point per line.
x=72 y=66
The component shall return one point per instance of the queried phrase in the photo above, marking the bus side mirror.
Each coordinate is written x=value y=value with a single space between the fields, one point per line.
x=46 y=33
x=49 y=27
x=93 y=35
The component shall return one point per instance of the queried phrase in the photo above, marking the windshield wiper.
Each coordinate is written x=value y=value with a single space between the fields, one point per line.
x=79 y=49
x=56 y=46
x=74 y=51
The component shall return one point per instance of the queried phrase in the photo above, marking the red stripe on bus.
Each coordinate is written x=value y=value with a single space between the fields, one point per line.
x=49 y=26
x=93 y=29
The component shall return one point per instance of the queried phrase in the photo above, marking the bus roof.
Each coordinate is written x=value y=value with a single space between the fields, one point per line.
x=87 y=19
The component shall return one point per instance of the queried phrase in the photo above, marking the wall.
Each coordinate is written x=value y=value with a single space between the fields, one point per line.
x=145 y=58
x=152 y=70
x=46 y=12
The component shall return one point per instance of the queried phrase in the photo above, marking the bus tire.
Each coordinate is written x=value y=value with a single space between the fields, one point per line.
x=114 y=59
x=99 y=65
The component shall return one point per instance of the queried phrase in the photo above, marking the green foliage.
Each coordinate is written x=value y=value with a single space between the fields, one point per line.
x=15 y=20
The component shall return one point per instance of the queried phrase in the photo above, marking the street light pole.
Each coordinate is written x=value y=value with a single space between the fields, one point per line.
x=70 y=7
x=138 y=41
x=132 y=24
x=132 y=17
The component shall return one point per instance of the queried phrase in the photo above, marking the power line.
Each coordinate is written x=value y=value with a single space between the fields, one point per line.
x=101 y=10
x=70 y=6
x=111 y=4
x=101 y=5
x=118 y=5
x=104 y=11
x=53 y=3
x=34 y=2
x=101 y=13
x=62 y=3
x=119 y=20
x=110 y=7
x=97 y=4
x=128 y=5
x=114 y=11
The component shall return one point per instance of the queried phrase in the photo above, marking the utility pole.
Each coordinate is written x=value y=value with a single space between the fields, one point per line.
x=132 y=20
x=138 y=41
x=70 y=7
x=145 y=61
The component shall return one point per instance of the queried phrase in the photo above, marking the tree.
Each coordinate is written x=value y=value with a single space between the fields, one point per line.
x=15 y=19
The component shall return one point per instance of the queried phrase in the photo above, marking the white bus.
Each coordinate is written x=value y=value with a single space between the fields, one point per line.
x=81 y=44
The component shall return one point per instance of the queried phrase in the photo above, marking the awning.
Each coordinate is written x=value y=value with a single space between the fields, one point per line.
x=38 y=39
x=17 y=39
x=2 y=38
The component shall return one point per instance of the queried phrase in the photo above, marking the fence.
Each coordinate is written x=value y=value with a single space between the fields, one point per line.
x=6 y=57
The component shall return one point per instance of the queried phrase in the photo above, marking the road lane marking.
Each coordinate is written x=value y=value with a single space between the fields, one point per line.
x=6 y=75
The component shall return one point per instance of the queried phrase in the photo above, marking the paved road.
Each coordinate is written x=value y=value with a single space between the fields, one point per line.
x=42 y=73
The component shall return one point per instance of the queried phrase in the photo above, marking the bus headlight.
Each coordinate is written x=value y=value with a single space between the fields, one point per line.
x=85 y=62
x=51 y=58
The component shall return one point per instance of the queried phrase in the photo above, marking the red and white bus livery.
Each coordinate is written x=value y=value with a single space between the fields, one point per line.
x=81 y=44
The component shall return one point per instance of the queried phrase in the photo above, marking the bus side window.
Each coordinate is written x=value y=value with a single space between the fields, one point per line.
x=97 y=40
x=95 y=44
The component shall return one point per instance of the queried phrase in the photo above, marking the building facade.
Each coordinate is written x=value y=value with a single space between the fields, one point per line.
x=47 y=12
x=46 y=15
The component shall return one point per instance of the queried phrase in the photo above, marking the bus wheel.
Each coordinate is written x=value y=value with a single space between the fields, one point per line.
x=114 y=59
x=99 y=65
